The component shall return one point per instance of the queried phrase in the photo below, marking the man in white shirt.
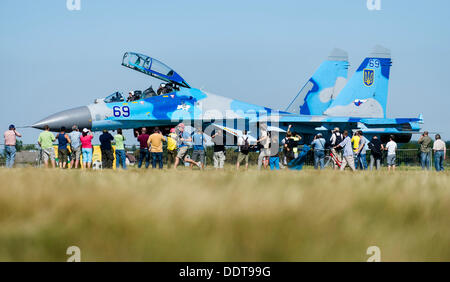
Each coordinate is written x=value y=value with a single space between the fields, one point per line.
x=391 y=147
x=264 y=140
x=440 y=152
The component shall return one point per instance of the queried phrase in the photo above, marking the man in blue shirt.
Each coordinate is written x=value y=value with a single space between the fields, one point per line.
x=199 y=142
x=75 y=146
x=183 y=145
x=107 y=152
x=319 y=151
x=348 y=152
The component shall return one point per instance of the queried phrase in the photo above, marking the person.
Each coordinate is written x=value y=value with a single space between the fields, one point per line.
x=107 y=152
x=171 y=147
x=274 y=159
x=130 y=96
x=155 y=142
x=440 y=152
x=376 y=149
x=356 y=142
x=144 y=153
x=347 y=156
x=362 y=150
x=198 y=140
x=335 y=139
x=318 y=145
x=391 y=147
x=426 y=144
x=244 y=149
x=264 y=141
x=10 y=145
x=45 y=140
x=86 y=148
x=119 y=140
x=183 y=146
x=219 y=149
x=63 y=152
x=160 y=89
x=286 y=151
x=75 y=147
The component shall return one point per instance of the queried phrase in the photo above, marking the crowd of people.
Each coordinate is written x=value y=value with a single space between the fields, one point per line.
x=344 y=150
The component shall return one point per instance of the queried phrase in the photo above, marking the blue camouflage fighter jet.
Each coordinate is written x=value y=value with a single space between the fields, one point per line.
x=326 y=101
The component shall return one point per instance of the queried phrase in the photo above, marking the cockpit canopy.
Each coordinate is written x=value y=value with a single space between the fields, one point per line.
x=115 y=97
x=152 y=67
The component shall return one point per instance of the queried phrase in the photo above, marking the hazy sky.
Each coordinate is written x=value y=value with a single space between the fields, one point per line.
x=257 y=51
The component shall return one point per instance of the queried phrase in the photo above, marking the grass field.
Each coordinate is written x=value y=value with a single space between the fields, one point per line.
x=188 y=215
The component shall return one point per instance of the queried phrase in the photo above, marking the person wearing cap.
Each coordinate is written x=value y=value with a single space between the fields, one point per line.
x=171 y=147
x=105 y=146
x=10 y=145
x=183 y=140
x=336 y=138
x=45 y=140
x=318 y=145
x=75 y=147
x=86 y=148
x=63 y=151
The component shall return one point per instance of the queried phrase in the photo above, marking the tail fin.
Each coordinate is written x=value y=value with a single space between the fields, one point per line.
x=365 y=94
x=321 y=89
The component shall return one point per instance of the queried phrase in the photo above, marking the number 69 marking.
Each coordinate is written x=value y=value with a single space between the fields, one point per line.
x=374 y=63
x=124 y=111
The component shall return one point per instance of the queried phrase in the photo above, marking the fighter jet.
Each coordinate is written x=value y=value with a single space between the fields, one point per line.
x=326 y=101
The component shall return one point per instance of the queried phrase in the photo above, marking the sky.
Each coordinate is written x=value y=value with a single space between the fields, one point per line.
x=53 y=59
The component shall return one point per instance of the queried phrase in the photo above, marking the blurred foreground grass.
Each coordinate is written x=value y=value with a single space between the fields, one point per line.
x=223 y=216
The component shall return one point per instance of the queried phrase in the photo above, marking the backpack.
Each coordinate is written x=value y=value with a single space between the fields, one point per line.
x=246 y=147
x=339 y=139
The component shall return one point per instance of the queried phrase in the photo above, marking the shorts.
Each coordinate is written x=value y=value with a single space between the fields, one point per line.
x=63 y=154
x=182 y=152
x=48 y=153
x=242 y=157
x=76 y=153
x=87 y=155
x=199 y=153
x=390 y=160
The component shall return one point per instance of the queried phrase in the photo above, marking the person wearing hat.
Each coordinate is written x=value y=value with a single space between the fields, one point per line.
x=86 y=147
x=171 y=147
x=319 y=151
x=335 y=139
x=10 y=145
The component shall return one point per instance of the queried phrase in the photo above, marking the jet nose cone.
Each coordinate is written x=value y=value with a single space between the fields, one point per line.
x=80 y=116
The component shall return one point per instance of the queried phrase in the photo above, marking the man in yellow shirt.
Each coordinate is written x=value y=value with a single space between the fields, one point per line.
x=356 y=141
x=155 y=143
x=171 y=147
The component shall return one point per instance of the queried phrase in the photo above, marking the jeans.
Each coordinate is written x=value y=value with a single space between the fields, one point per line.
x=157 y=157
x=120 y=159
x=439 y=160
x=425 y=160
x=274 y=163
x=319 y=156
x=144 y=154
x=362 y=161
x=10 y=152
x=373 y=159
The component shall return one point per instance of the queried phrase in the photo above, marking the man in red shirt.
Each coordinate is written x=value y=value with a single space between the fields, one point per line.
x=143 y=148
